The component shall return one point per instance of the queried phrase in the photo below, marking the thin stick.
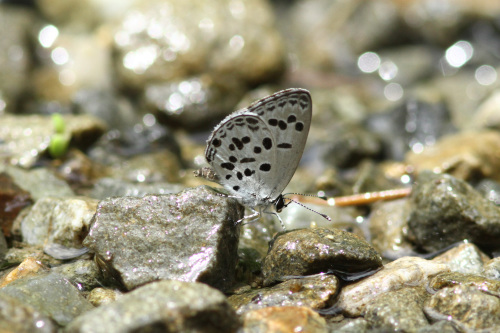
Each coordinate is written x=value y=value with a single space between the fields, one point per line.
x=357 y=199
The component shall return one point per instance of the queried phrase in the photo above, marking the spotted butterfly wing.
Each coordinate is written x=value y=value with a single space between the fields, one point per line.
x=255 y=151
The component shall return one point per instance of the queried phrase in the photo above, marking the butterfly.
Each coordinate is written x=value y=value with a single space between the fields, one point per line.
x=254 y=152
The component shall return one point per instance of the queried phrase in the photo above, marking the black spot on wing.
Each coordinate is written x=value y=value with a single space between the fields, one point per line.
x=216 y=142
x=233 y=159
x=271 y=108
x=273 y=122
x=247 y=160
x=252 y=121
x=232 y=147
x=227 y=165
x=282 y=125
x=253 y=128
x=282 y=104
x=239 y=175
x=238 y=143
x=257 y=150
x=245 y=139
x=291 y=119
x=236 y=188
x=267 y=143
x=284 y=145
x=249 y=172
x=292 y=101
x=265 y=167
x=299 y=127
x=228 y=177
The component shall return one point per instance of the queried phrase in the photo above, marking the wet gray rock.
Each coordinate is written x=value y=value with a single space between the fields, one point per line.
x=445 y=210
x=84 y=274
x=28 y=136
x=164 y=306
x=40 y=182
x=312 y=251
x=57 y=220
x=491 y=269
x=403 y=272
x=414 y=125
x=16 y=317
x=51 y=295
x=388 y=225
x=466 y=307
x=189 y=236
x=313 y=291
x=465 y=258
x=399 y=310
x=110 y=187
x=283 y=319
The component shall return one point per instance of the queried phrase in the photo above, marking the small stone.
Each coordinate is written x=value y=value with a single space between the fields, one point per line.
x=398 y=274
x=29 y=267
x=451 y=279
x=313 y=291
x=278 y=319
x=491 y=269
x=312 y=251
x=188 y=236
x=465 y=258
x=164 y=306
x=388 y=225
x=102 y=296
x=398 y=310
x=50 y=294
x=64 y=221
x=466 y=307
x=39 y=182
x=84 y=274
x=446 y=210
x=12 y=200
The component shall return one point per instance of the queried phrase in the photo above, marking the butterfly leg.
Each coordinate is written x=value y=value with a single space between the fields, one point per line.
x=256 y=214
x=277 y=215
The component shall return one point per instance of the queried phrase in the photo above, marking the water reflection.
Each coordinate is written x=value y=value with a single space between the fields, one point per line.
x=459 y=54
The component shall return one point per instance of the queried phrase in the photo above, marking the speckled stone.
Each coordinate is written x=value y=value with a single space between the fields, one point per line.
x=164 y=306
x=445 y=210
x=314 y=292
x=50 y=294
x=278 y=319
x=406 y=271
x=466 y=307
x=312 y=251
x=189 y=236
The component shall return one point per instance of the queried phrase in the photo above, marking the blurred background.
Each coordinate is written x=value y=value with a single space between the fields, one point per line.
x=388 y=77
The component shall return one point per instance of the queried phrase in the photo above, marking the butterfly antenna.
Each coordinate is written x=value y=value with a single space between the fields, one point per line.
x=324 y=197
x=312 y=210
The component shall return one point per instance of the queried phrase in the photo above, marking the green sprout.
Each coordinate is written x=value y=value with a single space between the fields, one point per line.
x=59 y=141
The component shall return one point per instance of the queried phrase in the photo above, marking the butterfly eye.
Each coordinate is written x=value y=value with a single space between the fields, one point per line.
x=279 y=204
